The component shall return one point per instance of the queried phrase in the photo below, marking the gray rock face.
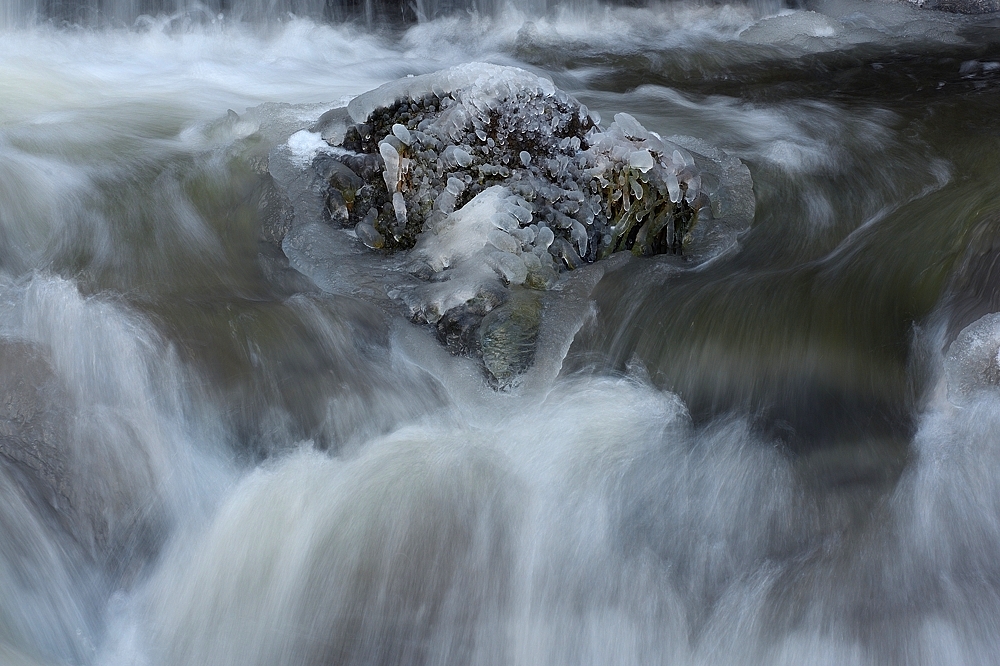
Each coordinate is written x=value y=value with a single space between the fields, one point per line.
x=41 y=561
x=275 y=213
x=51 y=453
x=32 y=424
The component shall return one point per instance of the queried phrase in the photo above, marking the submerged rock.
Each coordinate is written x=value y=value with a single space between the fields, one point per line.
x=508 y=333
x=490 y=178
x=32 y=425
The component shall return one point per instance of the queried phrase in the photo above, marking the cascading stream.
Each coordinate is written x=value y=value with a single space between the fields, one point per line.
x=785 y=454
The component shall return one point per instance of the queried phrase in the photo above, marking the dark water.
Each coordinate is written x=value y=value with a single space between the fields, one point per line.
x=788 y=454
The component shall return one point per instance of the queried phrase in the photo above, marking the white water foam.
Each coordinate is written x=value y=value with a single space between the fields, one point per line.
x=110 y=440
x=583 y=522
x=591 y=527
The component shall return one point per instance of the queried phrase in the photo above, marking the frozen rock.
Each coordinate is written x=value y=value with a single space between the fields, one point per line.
x=579 y=236
x=487 y=82
x=520 y=212
x=369 y=236
x=460 y=236
x=972 y=363
x=493 y=178
x=562 y=249
x=791 y=27
x=693 y=188
x=961 y=6
x=455 y=186
x=503 y=241
x=509 y=266
x=462 y=158
x=445 y=202
x=545 y=237
x=399 y=207
x=673 y=187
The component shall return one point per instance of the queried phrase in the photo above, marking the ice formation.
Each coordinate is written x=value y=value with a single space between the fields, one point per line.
x=448 y=137
x=495 y=180
x=972 y=363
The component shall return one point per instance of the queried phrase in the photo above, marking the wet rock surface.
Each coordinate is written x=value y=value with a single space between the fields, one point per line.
x=31 y=425
x=36 y=423
x=507 y=335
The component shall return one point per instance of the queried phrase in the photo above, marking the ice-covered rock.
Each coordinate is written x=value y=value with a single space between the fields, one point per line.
x=972 y=363
x=602 y=191
x=493 y=178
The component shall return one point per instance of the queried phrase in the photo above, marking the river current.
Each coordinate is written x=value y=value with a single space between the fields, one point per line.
x=789 y=454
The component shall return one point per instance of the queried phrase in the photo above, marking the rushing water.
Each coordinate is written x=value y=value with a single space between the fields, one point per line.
x=778 y=458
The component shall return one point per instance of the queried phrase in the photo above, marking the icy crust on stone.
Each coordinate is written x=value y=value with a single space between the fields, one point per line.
x=440 y=140
x=497 y=182
x=972 y=363
x=472 y=247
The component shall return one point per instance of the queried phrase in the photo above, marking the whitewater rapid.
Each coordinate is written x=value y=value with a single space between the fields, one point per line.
x=206 y=458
